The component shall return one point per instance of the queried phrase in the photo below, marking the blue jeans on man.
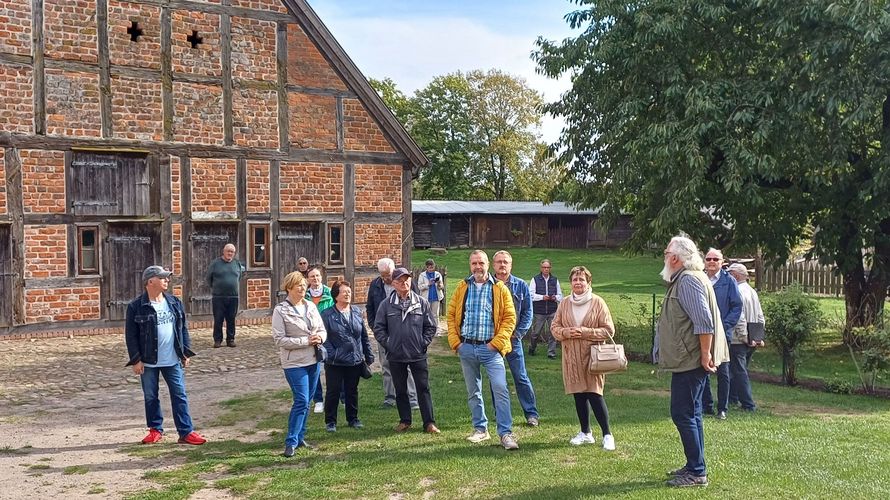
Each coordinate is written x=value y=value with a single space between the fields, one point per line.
x=740 y=385
x=301 y=381
x=524 y=390
x=723 y=385
x=472 y=359
x=686 y=412
x=175 y=378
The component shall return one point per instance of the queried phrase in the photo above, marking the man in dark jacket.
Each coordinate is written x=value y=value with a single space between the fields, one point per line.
x=405 y=326
x=729 y=301
x=158 y=344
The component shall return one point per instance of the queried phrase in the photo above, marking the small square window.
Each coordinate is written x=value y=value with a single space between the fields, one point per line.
x=259 y=245
x=335 y=244
x=88 y=250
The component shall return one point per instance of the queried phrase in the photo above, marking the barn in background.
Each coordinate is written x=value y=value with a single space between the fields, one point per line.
x=488 y=224
x=151 y=132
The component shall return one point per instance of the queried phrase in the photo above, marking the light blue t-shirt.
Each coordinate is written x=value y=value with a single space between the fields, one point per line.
x=166 y=352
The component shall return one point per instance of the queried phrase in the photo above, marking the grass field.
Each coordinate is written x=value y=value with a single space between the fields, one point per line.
x=800 y=444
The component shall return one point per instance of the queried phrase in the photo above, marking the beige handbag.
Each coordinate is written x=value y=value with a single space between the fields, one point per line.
x=607 y=358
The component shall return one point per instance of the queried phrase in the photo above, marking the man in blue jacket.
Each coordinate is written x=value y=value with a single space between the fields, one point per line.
x=522 y=301
x=158 y=344
x=729 y=301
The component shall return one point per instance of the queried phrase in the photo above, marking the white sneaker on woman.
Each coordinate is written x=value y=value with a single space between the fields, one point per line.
x=608 y=442
x=582 y=438
x=319 y=407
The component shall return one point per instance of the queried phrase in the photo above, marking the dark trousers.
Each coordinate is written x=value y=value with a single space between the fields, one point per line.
x=686 y=410
x=740 y=385
x=723 y=384
x=584 y=401
x=346 y=377
x=224 y=309
x=420 y=373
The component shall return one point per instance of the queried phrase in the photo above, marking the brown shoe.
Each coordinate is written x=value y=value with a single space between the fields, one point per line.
x=432 y=429
x=217 y=345
x=402 y=427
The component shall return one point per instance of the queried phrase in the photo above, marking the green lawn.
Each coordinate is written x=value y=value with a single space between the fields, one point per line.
x=801 y=444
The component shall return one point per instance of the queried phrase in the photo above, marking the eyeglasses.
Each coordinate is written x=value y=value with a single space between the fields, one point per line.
x=713 y=259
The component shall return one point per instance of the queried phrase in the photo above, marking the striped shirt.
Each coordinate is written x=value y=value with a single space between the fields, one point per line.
x=478 y=318
x=694 y=302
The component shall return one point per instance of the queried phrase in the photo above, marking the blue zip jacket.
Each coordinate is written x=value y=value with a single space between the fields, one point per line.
x=141 y=330
x=347 y=343
x=522 y=302
x=729 y=301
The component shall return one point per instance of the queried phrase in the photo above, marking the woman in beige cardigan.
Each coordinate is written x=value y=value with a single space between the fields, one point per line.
x=581 y=320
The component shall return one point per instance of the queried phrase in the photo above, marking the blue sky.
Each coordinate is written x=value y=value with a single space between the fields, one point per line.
x=414 y=41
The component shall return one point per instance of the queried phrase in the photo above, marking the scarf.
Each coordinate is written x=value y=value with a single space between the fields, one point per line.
x=580 y=300
x=580 y=306
x=316 y=292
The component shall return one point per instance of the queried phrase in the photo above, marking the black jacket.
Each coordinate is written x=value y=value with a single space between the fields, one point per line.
x=405 y=334
x=141 y=331
x=376 y=296
x=347 y=343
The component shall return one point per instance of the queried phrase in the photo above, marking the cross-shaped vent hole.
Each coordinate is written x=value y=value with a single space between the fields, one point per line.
x=134 y=31
x=194 y=39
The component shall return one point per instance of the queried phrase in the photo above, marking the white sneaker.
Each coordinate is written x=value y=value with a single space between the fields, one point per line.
x=319 y=407
x=478 y=436
x=608 y=442
x=582 y=438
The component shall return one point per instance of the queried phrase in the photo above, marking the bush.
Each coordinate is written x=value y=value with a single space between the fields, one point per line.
x=875 y=352
x=838 y=385
x=791 y=319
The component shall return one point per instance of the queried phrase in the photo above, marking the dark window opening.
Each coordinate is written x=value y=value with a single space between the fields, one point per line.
x=335 y=243
x=134 y=31
x=194 y=39
x=88 y=250
x=259 y=246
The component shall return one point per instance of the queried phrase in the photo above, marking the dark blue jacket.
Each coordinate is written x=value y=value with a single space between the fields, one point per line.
x=141 y=331
x=347 y=343
x=405 y=335
x=522 y=302
x=729 y=301
x=376 y=296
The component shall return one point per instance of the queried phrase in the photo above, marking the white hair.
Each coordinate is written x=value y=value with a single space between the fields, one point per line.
x=714 y=250
x=687 y=252
x=386 y=264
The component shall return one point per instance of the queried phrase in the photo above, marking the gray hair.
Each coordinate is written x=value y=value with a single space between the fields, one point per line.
x=546 y=261
x=714 y=250
x=686 y=250
x=386 y=264
x=501 y=252
x=479 y=251
x=228 y=246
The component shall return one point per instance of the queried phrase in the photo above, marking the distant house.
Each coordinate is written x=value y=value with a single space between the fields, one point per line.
x=443 y=223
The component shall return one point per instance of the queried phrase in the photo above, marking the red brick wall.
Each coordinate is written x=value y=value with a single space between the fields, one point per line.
x=2 y=181
x=270 y=5
x=69 y=28
x=197 y=113
x=15 y=29
x=206 y=58
x=374 y=241
x=378 y=188
x=72 y=104
x=175 y=185
x=16 y=104
x=62 y=304
x=43 y=181
x=305 y=64
x=146 y=51
x=311 y=187
x=214 y=185
x=360 y=131
x=253 y=50
x=177 y=249
x=255 y=120
x=259 y=294
x=136 y=109
x=258 y=187
x=312 y=121
x=46 y=251
x=360 y=288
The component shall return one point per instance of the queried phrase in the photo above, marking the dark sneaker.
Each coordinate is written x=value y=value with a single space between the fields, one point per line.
x=682 y=471
x=551 y=356
x=288 y=451
x=192 y=438
x=721 y=415
x=217 y=344
x=153 y=436
x=532 y=421
x=687 y=481
x=331 y=427
x=230 y=343
x=357 y=424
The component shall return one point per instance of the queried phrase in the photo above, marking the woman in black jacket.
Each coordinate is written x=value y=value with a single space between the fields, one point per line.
x=348 y=348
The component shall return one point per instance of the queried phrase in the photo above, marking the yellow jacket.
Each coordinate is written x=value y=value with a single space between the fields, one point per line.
x=503 y=311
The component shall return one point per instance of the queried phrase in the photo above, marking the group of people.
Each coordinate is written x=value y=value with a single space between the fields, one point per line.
x=702 y=330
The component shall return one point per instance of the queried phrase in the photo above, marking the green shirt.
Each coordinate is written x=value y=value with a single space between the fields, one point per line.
x=224 y=277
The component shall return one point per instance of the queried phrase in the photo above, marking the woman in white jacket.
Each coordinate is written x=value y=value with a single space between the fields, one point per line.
x=431 y=286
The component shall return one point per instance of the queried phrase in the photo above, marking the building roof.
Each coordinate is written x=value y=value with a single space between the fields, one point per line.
x=445 y=207
x=340 y=60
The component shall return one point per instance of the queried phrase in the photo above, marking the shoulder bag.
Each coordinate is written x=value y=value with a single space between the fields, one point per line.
x=607 y=358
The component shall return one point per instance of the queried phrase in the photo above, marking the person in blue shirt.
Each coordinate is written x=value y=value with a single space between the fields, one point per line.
x=729 y=301
x=431 y=286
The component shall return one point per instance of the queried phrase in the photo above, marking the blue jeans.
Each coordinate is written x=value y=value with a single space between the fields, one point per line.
x=300 y=379
x=175 y=378
x=472 y=359
x=740 y=385
x=524 y=390
x=686 y=412
x=318 y=393
x=723 y=384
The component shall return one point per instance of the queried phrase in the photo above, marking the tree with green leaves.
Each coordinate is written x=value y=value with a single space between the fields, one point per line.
x=743 y=123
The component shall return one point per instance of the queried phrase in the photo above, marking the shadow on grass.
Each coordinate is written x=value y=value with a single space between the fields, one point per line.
x=588 y=490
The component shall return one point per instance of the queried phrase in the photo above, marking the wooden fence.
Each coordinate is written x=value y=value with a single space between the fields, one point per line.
x=814 y=277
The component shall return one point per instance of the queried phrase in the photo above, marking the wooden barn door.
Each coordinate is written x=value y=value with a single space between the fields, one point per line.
x=7 y=276
x=130 y=248
x=109 y=183
x=295 y=240
x=208 y=241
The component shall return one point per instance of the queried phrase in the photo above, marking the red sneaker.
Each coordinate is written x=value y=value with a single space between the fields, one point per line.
x=153 y=436
x=192 y=438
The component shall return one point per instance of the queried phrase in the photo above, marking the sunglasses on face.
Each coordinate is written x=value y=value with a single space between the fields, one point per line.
x=712 y=259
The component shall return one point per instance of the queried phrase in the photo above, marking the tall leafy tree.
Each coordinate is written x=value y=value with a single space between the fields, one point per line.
x=743 y=122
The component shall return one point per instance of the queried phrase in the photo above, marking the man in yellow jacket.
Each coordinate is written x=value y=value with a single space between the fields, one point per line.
x=481 y=320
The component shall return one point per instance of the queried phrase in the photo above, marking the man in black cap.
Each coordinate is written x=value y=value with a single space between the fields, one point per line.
x=158 y=344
